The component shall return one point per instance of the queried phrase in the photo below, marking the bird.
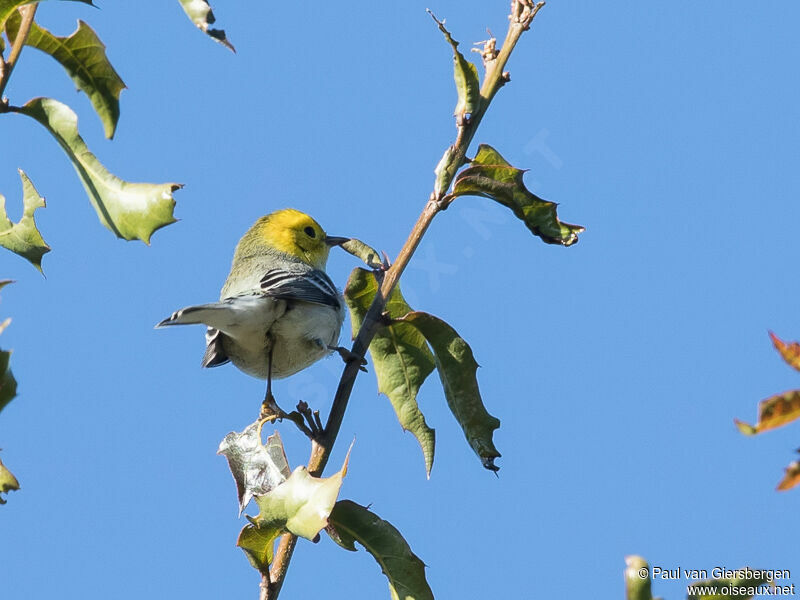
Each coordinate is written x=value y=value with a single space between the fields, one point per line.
x=278 y=312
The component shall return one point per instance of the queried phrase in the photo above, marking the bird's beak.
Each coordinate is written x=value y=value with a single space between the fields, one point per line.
x=332 y=240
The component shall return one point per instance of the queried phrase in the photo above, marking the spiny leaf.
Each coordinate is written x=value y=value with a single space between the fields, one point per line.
x=773 y=412
x=301 y=504
x=200 y=13
x=129 y=210
x=7 y=7
x=83 y=56
x=636 y=586
x=352 y=523
x=789 y=352
x=457 y=369
x=400 y=357
x=7 y=482
x=256 y=468
x=746 y=586
x=491 y=176
x=24 y=238
x=465 y=73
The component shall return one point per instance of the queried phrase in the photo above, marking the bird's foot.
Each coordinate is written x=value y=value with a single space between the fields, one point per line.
x=349 y=356
x=270 y=411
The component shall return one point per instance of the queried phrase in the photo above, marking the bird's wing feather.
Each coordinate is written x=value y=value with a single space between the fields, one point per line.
x=215 y=354
x=312 y=286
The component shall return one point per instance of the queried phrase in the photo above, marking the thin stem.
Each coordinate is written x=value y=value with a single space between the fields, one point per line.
x=27 y=12
x=522 y=13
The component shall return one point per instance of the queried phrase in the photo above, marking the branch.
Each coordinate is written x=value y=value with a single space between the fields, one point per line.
x=27 y=12
x=522 y=13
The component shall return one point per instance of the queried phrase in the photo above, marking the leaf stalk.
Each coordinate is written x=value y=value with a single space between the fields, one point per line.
x=522 y=13
x=27 y=13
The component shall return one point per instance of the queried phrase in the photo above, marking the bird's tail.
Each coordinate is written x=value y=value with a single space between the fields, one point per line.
x=207 y=314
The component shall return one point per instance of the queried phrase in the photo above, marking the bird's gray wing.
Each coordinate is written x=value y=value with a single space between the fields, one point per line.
x=311 y=286
x=215 y=354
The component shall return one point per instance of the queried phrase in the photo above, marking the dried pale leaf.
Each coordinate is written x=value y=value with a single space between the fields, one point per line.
x=747 y=587
x=256 y=468
x=405 y=571
x=636 y=586
x=790 y=352
x=7 y=482
x=457 y=369
x=83 y=57
x=23 y=238
x=465 y=74
x=773 y=412
x=200 y=13
x=400 y=357
x=791 y=478
x=129 y=210
x=300 y=505
x=491 y=176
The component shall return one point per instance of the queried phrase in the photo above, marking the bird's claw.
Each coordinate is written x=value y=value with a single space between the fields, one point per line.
x=270 y=410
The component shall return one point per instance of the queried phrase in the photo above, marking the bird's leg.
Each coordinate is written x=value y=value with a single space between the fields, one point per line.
x=270 y=408
x=271 y=411
x=348 y=356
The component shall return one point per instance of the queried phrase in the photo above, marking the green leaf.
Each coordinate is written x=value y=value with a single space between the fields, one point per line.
x=636 y=586
x=200 y=13
x=8 y=385
x=258 y=545
x=465 y=73
x=491 y=176
x=400 y=356
x=7 y=7
x=741 y=586
x=83 y=56
x=256 y=468
x=24 y=238
x=7 y=482
x=352 y=523
x=359 y=249
x=457 y=369
x=129 y=210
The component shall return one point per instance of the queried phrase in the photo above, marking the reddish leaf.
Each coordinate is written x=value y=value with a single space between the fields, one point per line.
x=773 y=412
x=791 y=478
x=789 y=352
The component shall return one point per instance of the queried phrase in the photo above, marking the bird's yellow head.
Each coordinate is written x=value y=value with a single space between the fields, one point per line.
x=292 y=232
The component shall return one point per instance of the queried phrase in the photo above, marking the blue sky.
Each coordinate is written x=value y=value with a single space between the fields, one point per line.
x=615 y=366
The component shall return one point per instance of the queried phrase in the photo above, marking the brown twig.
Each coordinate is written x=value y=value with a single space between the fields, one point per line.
x=27 y=13
x=522 y=13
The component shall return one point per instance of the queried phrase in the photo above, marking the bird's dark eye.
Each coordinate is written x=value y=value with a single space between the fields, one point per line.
x=310 y=232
